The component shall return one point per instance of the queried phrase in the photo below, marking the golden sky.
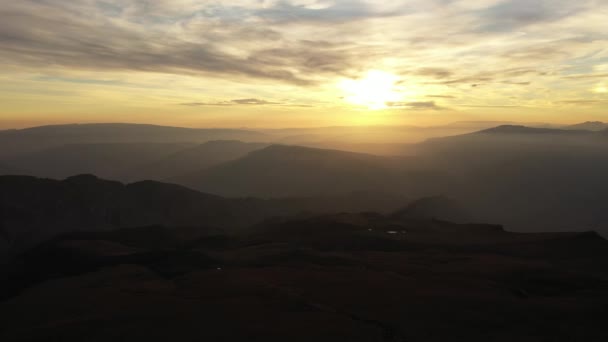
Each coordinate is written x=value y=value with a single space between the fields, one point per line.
x=275 y=63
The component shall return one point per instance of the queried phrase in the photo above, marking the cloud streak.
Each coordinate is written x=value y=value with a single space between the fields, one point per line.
x=242 y=102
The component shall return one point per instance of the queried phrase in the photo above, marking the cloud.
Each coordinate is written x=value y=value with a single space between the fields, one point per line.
x=422 y=105
x=253 y=48
x=514 y=15
x=516 y=83
x=245 y=102
x=252 y=102
x=513 y=76
x=439 y=73
x=581 y=102
x=89 y=36
x=586 y=76
x=490 y=106
x=338 y=11
x=473 y=80
x=441 y=96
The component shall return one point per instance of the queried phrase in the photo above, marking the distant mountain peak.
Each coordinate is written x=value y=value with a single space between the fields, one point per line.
x=589 y=126
x=519 y=129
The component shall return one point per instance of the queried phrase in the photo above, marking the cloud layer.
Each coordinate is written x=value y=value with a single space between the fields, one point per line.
x=469 y=52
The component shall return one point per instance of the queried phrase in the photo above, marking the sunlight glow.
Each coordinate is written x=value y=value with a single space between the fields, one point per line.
x=374 y=91
x=601 y=89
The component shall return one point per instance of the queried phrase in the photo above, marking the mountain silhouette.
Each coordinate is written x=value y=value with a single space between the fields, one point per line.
x=129 y=161
x=193 y=159
x=589 y=126
x=518 y=129
x=530 y=180
x=34 y=209
x=16 y=142
x=110 y=160
x=283 y=171
x=438 y=207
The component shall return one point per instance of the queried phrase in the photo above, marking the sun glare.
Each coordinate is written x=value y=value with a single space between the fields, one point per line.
x=601 y=89
x=374 y=91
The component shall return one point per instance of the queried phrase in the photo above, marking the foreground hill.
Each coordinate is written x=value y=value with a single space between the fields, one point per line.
x=8 y=170
x=34 y=209
x=346 y=277
x=283 y=171
x=15 y=142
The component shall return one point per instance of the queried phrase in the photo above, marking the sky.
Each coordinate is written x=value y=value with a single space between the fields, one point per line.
x=302 y=63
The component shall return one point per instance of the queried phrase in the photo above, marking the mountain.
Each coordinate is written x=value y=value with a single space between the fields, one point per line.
x=130 y=161
x=341 y=277
x=295 y=171
x=33 y=209
x=524 y=130
x=438 y=207
x=589 y=126
x=509 y=142
x=381 y=140
x=108 y=160
x=526 y=178
x=16 y=142
x=193 y=159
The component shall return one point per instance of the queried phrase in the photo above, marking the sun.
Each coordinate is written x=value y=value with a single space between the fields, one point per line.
x=375 y=91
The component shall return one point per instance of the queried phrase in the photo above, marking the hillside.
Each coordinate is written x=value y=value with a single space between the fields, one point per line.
x=295 y=171
x=34 y=209
x=589 y=126
x=193 y=159
x=439 y=208
x=524 y=130
x=344 y=277
x=16 y=142
x=531 y=180
x=129 y=161
x=108 y=160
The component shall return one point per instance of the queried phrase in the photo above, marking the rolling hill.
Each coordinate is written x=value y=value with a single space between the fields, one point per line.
x=589 y=126
x=17 y=142
x=108 y=160
x=529 y=179
x=295 y=171
x=34 y=209
x=193 y=159
x=130 y=161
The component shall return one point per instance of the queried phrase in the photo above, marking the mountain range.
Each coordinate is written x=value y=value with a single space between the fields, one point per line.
x=528 y=178
x=16 y=142
x=34 y=209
